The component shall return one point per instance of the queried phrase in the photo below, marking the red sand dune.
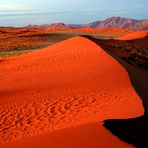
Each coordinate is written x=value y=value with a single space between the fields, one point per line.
x=68 y=84
x=92 y=135
x=102 y=30
x=134 y=35
x=64 y=28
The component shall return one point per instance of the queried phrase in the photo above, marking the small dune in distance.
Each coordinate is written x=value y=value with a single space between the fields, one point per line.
x=75 y=85
x=134 y=35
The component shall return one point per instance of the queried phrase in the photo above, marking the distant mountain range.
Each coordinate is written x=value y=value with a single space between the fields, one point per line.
x=116 y=22
x=112 y=22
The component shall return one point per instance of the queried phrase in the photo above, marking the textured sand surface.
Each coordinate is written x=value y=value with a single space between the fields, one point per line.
x=68 y=84
x=92 y=135
x=134 y=35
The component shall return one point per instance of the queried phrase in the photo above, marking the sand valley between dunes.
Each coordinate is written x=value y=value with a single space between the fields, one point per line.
x=64 y=86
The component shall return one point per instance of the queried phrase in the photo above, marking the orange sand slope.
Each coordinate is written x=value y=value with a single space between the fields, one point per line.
x=134 y=35
x=92 y=135
x=68 y=84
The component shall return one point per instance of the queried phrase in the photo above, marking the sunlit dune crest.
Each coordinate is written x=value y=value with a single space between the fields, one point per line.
x=68 y=84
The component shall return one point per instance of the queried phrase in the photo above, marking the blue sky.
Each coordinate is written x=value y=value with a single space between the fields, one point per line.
x=69 y=11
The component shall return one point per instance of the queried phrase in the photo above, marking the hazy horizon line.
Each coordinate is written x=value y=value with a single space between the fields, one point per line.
x=21 y=18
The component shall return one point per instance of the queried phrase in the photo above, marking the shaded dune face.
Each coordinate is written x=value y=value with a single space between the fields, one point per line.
x=71 y=83
x=134 y=35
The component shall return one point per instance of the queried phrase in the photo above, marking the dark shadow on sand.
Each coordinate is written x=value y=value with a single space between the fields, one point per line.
x=135 y=130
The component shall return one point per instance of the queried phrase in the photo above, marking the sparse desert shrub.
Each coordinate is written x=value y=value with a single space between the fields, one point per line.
x=141 y=51
x=132 y=57
x=129 y=62
x=118 y=46
x=123 y=58
x=143 y=65
x=145 y=58
x=128 y=50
